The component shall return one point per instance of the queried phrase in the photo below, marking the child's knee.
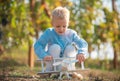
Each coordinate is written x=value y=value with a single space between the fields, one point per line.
x=70 y=51
x=54 y=50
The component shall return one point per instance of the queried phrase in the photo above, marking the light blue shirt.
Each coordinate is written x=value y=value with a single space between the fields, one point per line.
x=50 y=37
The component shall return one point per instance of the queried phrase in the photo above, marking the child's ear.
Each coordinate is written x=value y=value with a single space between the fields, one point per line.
x=52 y=23
x=68 y=23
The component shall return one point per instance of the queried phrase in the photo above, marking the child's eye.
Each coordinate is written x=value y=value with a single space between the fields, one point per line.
x=64 y=26
x=57 y=26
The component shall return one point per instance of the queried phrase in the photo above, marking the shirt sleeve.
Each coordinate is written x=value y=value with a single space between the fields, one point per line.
x=40 y=44
x=81 y=43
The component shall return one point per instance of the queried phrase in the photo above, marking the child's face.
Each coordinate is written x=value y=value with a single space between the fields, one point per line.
x=60 y=25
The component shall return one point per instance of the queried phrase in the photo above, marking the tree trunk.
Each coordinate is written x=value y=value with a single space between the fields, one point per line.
x=115 y=58
x=31 y=56
x=46 y=9
x=115 y=49
x=31 y=50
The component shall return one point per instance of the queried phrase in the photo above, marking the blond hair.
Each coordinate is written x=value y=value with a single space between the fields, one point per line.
x=61 y=13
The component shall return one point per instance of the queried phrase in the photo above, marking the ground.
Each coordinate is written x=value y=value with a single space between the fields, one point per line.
x=26 y=74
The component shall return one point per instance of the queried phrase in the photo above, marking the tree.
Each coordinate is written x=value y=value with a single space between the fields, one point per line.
x=116 y=42
x=84 y=13
x=109 y=31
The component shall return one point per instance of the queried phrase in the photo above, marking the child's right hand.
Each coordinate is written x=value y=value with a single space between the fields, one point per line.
x=80 y=58
x=48 y=58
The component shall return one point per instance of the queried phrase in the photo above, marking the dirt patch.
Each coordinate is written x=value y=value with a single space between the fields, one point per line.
x=89 y=75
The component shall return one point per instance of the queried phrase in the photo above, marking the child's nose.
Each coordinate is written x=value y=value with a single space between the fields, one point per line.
x=62 y=29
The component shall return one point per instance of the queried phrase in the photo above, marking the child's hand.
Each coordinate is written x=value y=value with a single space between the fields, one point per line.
x=80 y=58
x=48 y=58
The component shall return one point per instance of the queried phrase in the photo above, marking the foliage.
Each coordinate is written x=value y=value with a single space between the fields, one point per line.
x=112 y=25
x=19 y=24
x=84 y=14
x=84 y=17
x=14 y=19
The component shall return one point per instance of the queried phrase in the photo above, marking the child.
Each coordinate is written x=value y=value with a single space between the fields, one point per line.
x=59 y=40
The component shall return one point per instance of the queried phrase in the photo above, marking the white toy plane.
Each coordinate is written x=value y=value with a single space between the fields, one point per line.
x=65 y=67
x=62 y=62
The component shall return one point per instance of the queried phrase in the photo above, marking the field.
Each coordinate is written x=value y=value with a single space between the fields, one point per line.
x=14 y=67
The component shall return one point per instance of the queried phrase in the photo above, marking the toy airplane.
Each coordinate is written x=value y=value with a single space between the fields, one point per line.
x=62 y=62
x=65 y=67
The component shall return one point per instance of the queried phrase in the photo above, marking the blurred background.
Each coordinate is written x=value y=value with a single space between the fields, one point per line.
x=23 y=21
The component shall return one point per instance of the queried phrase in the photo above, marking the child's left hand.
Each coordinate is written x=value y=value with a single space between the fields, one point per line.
x=80 y=58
